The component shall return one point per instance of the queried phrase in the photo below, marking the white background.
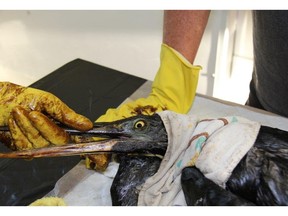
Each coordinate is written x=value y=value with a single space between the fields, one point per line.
x=34 y=43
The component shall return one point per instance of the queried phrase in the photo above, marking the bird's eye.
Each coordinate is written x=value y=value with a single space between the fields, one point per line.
x=139 y=124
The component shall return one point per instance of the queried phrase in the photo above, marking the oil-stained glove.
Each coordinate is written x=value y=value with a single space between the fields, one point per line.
x=173 y=88
x=31 y=113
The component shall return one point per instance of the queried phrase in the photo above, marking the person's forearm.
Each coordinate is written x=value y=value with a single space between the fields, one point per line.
x=183 y=31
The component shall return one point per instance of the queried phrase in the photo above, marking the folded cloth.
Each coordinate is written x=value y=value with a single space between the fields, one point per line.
x=215 y=146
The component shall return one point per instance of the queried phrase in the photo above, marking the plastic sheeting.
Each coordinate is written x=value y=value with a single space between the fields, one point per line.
x=83 y=187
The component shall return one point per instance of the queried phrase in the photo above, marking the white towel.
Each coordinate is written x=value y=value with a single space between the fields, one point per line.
x=215 y=146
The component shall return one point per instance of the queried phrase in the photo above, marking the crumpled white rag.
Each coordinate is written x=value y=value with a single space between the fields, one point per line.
x=215 y=146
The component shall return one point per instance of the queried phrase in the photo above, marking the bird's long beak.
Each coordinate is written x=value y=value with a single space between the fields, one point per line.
x=119 y=142
x=114 y=145
x=65 y=150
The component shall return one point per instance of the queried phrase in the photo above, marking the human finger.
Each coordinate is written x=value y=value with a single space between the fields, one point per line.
x=24 y=126
x=19 y=140
x=64 y=114
x=49 y=130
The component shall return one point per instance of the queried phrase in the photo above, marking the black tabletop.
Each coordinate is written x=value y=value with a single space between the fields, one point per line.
x=89 y=89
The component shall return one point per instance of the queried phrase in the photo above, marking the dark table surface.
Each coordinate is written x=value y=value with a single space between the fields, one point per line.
x=89 y=89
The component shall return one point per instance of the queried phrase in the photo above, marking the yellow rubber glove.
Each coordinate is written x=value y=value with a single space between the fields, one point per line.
x=173 y=88
x=30 y=113
x=49 y=201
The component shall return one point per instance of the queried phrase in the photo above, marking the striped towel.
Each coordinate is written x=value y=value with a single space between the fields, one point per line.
x=215 y=146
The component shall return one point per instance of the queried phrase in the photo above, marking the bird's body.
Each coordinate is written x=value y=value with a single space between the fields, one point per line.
x=200 y=191
x=262 y=175
x=133 y=171
x=260 y=178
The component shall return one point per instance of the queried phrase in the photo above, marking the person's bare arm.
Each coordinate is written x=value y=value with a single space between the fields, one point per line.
x=183 y=30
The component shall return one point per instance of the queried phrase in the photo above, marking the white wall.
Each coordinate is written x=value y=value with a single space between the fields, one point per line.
x=234 y=63
x=35 y=43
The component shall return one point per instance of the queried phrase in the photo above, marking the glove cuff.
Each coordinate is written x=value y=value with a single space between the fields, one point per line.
x=182 y=58
x=176 y=82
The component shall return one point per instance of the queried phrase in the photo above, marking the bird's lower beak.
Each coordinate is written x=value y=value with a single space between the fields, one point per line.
x=65 y=150
x=109 y=145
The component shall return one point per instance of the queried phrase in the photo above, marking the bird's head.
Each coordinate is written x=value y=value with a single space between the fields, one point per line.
x=138 y=134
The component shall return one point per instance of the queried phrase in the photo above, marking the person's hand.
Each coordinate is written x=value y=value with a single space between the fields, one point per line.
x=173 y=88
x=31 y=113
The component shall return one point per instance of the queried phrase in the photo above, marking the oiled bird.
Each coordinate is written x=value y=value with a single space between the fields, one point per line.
x=260 y=178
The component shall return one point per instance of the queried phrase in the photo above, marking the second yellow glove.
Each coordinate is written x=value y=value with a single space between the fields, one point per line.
x=173 y=88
